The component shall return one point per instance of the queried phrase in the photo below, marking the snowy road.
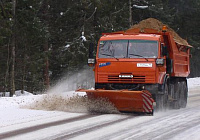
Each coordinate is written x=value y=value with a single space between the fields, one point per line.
x=36 y=124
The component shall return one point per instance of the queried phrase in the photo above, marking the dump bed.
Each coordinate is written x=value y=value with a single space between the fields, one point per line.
x=178 y=56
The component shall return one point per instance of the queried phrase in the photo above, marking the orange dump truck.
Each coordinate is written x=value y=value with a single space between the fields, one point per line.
x=134 y=69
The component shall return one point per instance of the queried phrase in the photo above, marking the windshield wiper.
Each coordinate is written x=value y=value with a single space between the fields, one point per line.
x=139 y=56
x=109 y=55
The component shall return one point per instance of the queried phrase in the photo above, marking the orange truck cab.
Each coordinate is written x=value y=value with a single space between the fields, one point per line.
x=133 y=63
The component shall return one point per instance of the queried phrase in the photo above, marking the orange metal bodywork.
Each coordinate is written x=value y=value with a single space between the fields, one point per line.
x=180 y=56
x=151 y=75
x=110 y=73
x=155 y=74
x=124 y=100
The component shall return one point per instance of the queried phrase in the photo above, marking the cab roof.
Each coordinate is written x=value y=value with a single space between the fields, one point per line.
x=130 y=36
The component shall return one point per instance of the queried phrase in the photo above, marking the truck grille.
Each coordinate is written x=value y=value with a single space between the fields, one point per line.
x=116 y=78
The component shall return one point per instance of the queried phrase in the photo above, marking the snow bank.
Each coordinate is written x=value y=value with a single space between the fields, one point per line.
x=17 y=93
x=18 y=101
x=193 y=82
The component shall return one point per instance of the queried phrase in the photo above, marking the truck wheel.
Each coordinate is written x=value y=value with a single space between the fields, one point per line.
x=161 y=99
x=160 y=102
x=177 y=90
x=183 y=95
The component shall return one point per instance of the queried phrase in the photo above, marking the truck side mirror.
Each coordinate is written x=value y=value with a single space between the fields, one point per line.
x=163 y=50
x=91 y=50
x=91 y=60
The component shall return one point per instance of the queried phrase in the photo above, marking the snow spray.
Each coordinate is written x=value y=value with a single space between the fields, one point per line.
x=62 y=96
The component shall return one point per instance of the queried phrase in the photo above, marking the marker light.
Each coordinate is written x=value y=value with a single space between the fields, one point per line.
x=164 y=28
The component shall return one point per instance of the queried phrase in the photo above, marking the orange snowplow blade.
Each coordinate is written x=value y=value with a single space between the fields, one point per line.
x=124 y=100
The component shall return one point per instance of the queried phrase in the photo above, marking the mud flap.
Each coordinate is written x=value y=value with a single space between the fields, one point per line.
x=125 y=100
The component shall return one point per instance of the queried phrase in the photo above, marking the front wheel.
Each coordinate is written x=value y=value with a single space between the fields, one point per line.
x=161 y=99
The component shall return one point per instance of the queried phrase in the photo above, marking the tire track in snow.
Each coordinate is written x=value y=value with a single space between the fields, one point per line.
x=166 y=130
x=171 y=133
x=167 y=124
x=89 y=129
x=122 y=133
x=195 y=95
x=80 y=132
x=42 y=126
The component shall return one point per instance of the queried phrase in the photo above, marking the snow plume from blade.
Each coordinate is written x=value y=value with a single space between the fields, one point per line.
x=76 y=104
x=101 y=105
x=53 y=102
x=71 y=82
x=62 y=96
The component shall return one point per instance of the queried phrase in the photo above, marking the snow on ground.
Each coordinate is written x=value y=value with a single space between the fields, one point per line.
x=194 y=85
x=17 y=93
x=18 y=110
x=27 y=107
x=57 y=104
x=193 y=82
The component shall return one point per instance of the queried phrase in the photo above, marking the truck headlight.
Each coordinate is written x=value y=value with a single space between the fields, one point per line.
x=160 y=61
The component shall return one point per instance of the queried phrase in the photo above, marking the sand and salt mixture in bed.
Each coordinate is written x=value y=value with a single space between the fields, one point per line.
x=152 y=23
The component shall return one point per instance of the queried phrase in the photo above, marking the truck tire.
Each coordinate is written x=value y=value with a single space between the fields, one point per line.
x=183 y=94
x=177 y=90
x=161 y=99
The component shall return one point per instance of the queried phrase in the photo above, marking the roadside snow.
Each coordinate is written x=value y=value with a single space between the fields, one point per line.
x=193 y=82
x=17 y=101
x=15 y=113
x=17 y=93
x=193 y=85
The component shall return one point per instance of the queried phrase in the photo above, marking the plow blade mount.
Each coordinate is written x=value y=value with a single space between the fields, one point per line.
x=125 y=100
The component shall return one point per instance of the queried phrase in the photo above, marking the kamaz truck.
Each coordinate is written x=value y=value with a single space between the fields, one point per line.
x=139 y=69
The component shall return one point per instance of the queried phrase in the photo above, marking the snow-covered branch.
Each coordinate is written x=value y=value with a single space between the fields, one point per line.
x=92 y=14
x=140 y=7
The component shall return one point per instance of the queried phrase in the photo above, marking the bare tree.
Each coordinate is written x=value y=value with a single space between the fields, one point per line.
x=13 y=43
x=45 y=17
x=130 y=13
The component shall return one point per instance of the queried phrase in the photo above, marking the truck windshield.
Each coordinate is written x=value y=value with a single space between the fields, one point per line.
x=128 y=49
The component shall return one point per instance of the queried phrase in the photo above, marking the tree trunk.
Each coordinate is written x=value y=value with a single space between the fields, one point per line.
x=12 y=80
x=46 y=69
x=130 y=14
x=24 y=71
x=46 y=44
x=7 y=70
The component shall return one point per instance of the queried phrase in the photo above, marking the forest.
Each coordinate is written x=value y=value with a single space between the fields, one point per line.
x=43 y=40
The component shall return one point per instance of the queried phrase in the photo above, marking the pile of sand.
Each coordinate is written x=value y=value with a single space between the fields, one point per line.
x=155 y=24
